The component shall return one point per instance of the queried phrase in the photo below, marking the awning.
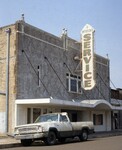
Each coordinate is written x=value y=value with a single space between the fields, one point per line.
x=98 y=104
x=93 y=104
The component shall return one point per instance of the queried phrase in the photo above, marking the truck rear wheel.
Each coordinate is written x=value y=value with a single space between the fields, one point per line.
x=84 y=135
x=26 y=142
x=51 y=139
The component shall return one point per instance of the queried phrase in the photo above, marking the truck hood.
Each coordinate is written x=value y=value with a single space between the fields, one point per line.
x=35 y=124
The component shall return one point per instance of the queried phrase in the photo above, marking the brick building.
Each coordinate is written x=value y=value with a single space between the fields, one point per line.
x=12 y=76
x=45 y=76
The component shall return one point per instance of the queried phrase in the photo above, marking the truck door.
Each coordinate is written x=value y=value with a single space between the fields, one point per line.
x=65 y=126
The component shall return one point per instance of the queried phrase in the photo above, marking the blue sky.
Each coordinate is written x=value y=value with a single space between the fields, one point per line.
x=54 y=15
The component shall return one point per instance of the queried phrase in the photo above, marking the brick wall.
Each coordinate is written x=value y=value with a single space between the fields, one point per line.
x=12 y=73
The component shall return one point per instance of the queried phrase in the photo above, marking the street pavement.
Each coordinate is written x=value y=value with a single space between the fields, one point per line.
x=9 y=141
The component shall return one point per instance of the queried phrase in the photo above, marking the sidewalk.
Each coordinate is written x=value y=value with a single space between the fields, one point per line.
x=8 y=141
x=106 y=134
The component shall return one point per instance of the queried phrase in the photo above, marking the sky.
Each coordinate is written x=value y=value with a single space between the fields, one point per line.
x=105 y=16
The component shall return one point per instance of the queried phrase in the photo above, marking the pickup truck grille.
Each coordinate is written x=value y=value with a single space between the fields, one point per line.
x=25 y=130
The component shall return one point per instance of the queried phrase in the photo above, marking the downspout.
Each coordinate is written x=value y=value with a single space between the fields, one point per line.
x=8 y=31
x=109 y=81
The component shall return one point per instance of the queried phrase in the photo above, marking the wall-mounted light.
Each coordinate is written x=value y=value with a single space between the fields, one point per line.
x=77 y=58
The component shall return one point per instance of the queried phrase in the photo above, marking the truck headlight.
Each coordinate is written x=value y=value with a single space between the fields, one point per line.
x=40 y=129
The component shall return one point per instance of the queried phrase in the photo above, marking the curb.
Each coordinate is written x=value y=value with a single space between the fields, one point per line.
x=92 y=136
x=2 y=146
x=106 y=134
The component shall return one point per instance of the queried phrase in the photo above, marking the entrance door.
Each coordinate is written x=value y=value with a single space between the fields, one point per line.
x=36 y=113
x=32 y=114
x=72 y=114
x=116 y=121
x=74 y=117
x=64 y=126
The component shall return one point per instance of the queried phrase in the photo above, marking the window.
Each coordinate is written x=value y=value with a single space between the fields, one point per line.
x=73 y=83
x=29 y=115
x=38 y=75
x=47 y=118
x=63 y=118
x=98 y=119
x=36 y=113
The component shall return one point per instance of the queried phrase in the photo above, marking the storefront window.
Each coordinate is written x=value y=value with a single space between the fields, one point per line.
x=29 y=115
x=98 y=119
x=36 y=113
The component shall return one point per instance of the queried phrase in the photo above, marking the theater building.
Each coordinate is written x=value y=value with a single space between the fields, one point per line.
x=52 y=74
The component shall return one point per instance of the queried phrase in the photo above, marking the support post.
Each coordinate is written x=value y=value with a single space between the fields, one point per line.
x=8 y=31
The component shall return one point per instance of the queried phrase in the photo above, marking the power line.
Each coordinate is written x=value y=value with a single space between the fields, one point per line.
x=86 y=95
x=113 y=84
x=55 y=72
x=115 y=88
x=71 y=73
x=100 y=92
x=99 y=89
x=108 y=86
x=103 y=81
x=68 y=67
x=35 y=72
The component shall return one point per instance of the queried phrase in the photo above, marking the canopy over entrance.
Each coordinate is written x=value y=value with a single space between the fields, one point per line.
x=96 y=104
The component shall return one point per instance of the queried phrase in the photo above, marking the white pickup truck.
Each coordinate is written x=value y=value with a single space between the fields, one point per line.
x=52 y=127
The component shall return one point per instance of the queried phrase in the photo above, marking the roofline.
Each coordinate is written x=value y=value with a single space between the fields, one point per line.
x=7 y=26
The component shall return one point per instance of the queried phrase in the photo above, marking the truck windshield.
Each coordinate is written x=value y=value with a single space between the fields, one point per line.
x=47 y=118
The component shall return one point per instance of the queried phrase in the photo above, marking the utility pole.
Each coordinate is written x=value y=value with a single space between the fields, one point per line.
x=8 y=31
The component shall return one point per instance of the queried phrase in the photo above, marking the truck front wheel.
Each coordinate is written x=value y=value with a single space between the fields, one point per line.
x=84 y=135
x=51 y=139
x=26 y=142
x=62 y=140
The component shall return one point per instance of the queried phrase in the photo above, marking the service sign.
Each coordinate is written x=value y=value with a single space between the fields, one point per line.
x=88 y=57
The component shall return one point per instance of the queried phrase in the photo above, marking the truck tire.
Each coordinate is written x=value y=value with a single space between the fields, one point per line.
x=84 y=135
x=51 y=139
x=26 y=142
x=62 y=140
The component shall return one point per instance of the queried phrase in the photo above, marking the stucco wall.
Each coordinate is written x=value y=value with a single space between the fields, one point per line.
x=35 y=51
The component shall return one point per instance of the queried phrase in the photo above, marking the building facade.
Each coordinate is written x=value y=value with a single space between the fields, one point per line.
x=45 y=75
x=116 y=100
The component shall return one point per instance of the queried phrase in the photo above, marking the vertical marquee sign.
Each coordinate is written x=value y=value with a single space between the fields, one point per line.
x=88 y=57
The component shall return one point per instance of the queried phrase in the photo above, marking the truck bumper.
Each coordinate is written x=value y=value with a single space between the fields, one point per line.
x=31 y=136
